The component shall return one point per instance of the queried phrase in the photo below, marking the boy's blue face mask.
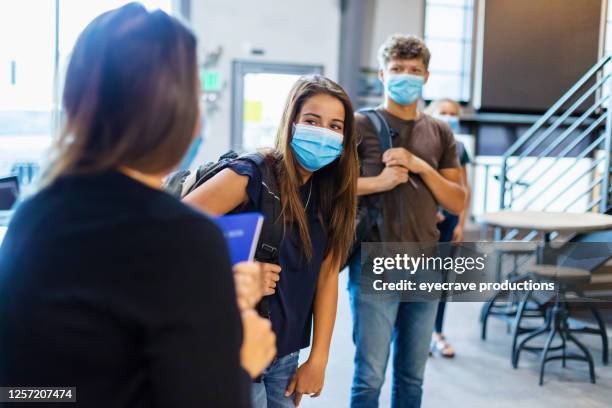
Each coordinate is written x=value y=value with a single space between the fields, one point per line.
x=404 y=89
x=315 y=147
x=452 y=121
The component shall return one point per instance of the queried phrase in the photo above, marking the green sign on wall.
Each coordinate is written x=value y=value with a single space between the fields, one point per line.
x=210 y=80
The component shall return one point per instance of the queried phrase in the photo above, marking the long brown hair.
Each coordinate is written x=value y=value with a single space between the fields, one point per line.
x=336 y=183
x=130 y=95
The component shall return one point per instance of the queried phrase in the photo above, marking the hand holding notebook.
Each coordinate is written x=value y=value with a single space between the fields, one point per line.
x=241 y=233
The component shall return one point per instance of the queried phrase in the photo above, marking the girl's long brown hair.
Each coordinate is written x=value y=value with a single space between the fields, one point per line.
x=130 y=96
x=336 y=183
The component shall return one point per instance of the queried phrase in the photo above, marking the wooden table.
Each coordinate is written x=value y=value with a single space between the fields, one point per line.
x=547 y=223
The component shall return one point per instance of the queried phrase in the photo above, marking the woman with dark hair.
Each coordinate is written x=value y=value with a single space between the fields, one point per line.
x=108 y=284
x=315 y=162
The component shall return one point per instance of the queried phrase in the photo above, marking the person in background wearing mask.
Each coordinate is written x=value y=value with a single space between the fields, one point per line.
x=315 y=162
x=447 y=111
x=451 y=226
x=424 y=151
x=108 y=284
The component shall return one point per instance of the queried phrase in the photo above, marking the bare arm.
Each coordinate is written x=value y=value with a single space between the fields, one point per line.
x=458 y=232
x=325 y=304
x=387 y=180
x=466 y=186
x=444 y=184
x=221 y=194
x=446 y=187
x=310 y=376
x=368 y=185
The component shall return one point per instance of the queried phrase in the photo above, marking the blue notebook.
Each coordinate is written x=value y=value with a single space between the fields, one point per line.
x=241 y=233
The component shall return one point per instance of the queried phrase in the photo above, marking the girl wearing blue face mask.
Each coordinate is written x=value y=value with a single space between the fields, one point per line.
x=315 y=163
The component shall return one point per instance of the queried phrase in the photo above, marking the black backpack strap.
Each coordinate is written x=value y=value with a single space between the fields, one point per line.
x=173 y=184
x=375 y=202
x=183 y=182
x=270 y=206
x=269 y=203
x=383 y=131
x=208 y=170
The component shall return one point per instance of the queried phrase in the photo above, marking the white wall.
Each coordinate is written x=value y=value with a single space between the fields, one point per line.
x=289 y=31
x=386 y=17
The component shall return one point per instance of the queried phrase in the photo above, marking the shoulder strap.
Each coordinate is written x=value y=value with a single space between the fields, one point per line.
x=206 y=171
x=380 y=125
x=174 y=183
x=270 y=206
x=384 y=132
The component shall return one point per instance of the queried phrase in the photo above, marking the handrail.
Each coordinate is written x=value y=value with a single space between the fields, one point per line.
x=538 y=138
x=564 y=153
x=605 y=183
x=588 y=190
x=565 y=134
x=559 y=194
x=549 y=113
x=563 y=117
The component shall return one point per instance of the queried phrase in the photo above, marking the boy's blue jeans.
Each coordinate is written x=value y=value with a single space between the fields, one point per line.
x=378 y=323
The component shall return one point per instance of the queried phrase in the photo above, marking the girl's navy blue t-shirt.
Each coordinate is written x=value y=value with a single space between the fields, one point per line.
x=291 y=307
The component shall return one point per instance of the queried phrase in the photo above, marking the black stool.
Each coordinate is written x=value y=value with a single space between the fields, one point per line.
x=500 y=305
x=566 y=280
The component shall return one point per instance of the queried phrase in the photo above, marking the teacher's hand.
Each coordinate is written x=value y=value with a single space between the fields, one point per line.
x=248 y=280
x=258 y=343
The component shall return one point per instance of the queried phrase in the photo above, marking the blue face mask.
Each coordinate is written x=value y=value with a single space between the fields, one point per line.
x=404 y=89
x=315 y=147
x=452 y=121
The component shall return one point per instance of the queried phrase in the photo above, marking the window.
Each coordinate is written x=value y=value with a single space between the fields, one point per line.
x=608 y=28
x=27 y=29
x=36 y=39
x=448 y=34
x=76 y=14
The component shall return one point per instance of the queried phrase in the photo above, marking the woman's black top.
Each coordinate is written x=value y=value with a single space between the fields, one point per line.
x=123 y=292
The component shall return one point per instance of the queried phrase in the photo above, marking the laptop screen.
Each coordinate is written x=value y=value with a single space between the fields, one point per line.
x=9 y=192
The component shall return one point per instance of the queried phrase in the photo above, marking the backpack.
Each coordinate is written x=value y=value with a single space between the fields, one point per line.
x=183 y=182
x=369 y=211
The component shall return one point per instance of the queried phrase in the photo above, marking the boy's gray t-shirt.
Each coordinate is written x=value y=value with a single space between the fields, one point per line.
x=409 y=213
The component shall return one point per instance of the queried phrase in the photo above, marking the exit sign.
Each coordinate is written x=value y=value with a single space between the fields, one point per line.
x=210 y=81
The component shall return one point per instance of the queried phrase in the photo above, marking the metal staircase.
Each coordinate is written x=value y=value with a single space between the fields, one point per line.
x=562 y=163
